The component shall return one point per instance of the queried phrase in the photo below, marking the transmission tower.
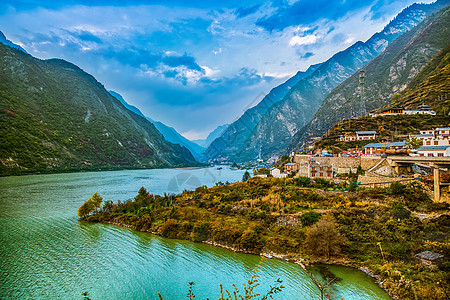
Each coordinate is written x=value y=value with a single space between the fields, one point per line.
x=362 y=82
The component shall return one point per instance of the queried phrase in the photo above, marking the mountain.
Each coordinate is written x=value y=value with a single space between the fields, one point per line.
x=283 y=119
x=169 y=133
x=55 y=117
x=7 y=42
x=431 y=86
x=212 y=136
x=229 y=143
x=385 y=76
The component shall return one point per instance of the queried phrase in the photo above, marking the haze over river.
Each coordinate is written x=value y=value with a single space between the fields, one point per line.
x=46 y=253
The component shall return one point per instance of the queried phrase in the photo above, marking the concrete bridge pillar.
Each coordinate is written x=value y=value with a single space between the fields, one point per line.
x=437 y=183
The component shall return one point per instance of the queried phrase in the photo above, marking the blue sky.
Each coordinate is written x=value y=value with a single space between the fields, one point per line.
x=193 y=65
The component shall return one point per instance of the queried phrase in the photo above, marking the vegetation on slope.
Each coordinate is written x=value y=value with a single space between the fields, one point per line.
x=55 y=117
x=292 y=216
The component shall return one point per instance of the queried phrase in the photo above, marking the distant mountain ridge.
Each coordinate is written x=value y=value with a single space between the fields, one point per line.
x=386 y=75
x=276 y=128
x=237 y=133
x=211 y=136
x=55 y=117
x=169 y=133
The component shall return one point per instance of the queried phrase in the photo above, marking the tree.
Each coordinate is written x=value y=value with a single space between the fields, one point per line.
x=246 y=176
x=309 y=218
x=90 y=205
x=96 y=200
x=324 y=239
x=413 y=143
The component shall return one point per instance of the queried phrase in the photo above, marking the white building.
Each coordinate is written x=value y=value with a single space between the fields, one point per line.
x=392 y=111
x=435 y=137
x=434 y=151
x=360 y=136
x=275 y=172
x=421 y=110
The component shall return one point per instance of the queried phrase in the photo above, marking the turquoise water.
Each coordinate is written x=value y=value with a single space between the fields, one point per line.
x=46 y=253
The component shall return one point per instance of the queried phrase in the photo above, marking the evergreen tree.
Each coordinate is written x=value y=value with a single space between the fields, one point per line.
x=246 y=176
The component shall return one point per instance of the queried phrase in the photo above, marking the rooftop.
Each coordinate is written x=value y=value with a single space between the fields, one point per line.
x=429 y=255
x=387 y=145
x=419 y=135
x=290 y=164
x=366 y=132
x=431 y=148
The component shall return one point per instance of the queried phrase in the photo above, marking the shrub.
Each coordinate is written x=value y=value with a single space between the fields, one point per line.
x=400 y=212
x=396 y=188
x=309 y=218
x=200 y=232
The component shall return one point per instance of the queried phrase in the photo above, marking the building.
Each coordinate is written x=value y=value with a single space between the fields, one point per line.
x=379 y=148
x=394 y=110
x=429 y=258
x=423 y=136
x=421 y=110
x=275 y=172
x=444 y=131
x=291 y=167
x=320 y=171
x=434 y=151
x=315 y=170
x=435 y=137
x=360 y=136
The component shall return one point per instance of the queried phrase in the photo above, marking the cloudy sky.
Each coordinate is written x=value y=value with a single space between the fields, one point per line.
x=193 y=64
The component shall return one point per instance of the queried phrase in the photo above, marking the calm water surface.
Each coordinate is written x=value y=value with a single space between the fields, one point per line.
x=46 y=253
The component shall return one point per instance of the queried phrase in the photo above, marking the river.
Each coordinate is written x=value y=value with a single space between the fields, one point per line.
x=46 y=253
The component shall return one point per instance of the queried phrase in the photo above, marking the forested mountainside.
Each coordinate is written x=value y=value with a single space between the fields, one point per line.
x=386 y=75
x=55 y=117
x=284 y=118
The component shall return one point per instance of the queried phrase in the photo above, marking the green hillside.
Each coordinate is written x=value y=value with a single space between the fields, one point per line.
x=55 y=117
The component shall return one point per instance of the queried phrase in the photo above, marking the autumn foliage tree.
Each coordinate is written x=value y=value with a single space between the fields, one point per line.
x=90 y=205
x=324 y=239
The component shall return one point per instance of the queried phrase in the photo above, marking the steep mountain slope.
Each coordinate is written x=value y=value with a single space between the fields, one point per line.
x=386 y=75
x=212 y=136
x=169 y=133
x=431 y=86
x=55 y=117
x=232 y=140
x=283 y=119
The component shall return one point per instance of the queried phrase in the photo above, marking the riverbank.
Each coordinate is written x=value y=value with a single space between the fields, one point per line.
x=372 y=229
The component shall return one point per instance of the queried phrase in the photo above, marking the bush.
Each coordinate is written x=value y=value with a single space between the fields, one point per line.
x=396 y=188
x=400 y=212
x=310 y=218
x=200 y=232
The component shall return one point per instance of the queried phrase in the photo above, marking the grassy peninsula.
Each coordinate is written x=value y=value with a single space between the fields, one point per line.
x=312 y=221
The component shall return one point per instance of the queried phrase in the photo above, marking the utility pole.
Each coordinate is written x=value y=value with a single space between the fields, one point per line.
x=362 y=82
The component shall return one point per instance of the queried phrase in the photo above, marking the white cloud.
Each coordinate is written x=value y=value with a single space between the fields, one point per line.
x=303 y=40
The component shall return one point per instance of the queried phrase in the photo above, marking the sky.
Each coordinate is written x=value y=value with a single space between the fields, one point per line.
x=193 y=65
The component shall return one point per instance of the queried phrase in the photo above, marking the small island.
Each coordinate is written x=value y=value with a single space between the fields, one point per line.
x=378 y=230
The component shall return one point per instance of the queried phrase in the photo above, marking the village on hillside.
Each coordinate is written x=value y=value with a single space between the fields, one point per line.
x=423 y=156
